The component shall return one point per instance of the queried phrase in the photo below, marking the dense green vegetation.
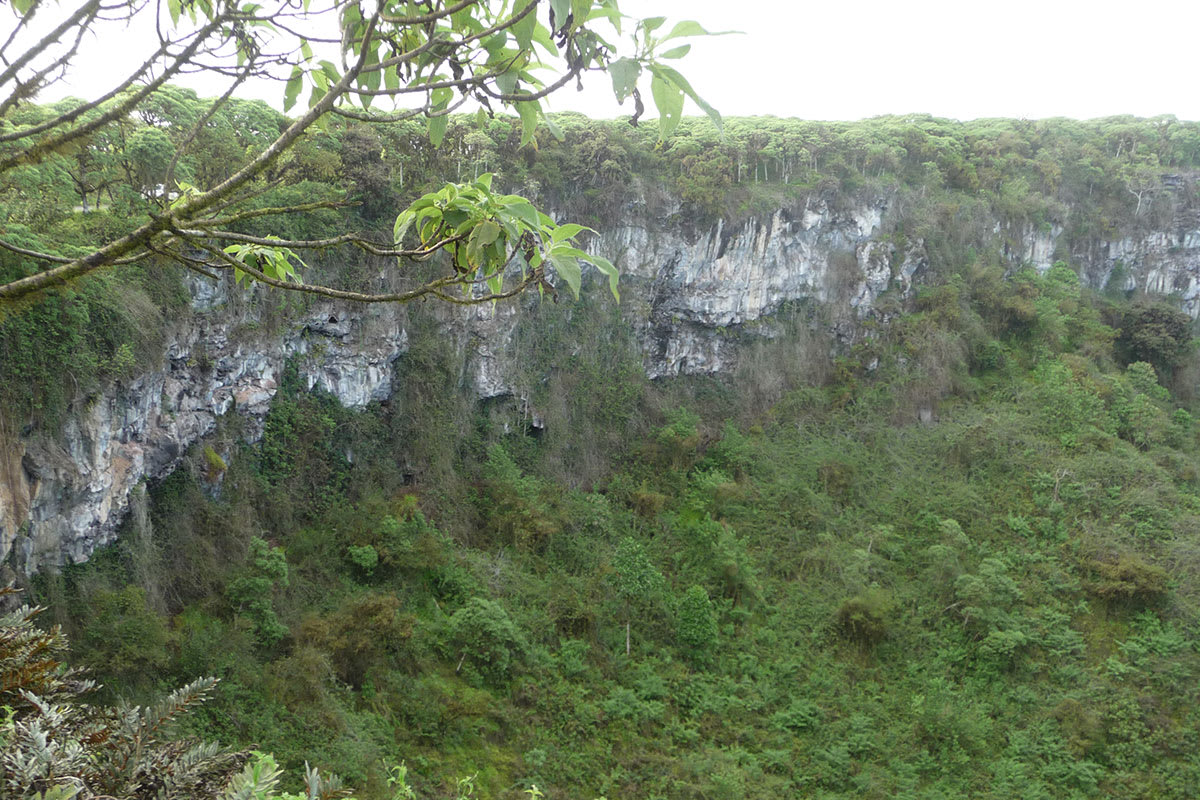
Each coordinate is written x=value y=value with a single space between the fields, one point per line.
x=824 y=599
x=776 y=582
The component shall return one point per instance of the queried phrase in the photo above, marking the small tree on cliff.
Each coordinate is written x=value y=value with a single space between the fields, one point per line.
x=636 y=580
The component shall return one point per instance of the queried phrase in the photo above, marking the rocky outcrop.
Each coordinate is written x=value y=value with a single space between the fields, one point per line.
x=692 y=299
x=1162 y=262
x=729 y=277
x=64 y=497
x=1155 y=262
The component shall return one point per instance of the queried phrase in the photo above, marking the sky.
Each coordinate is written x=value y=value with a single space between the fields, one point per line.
x=851 y=59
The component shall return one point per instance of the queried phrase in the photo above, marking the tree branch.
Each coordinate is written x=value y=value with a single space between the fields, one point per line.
x=88 y=10
x=434 y=287
x=324 y=244
x=34 y=152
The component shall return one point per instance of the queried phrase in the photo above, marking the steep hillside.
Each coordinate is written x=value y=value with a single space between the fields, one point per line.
x=882 y=480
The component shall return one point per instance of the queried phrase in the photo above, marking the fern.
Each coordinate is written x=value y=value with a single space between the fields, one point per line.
x=257 y=781
x=56 y=747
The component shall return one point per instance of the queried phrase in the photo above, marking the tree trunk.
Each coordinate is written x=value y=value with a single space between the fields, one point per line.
x=626 y=637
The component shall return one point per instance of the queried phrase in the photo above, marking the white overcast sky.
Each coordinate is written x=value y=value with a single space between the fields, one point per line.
x=849 y=59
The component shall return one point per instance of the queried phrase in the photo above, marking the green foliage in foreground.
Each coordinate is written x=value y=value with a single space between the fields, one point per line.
x=826 y=599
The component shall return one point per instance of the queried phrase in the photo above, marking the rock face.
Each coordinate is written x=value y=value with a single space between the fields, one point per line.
x=686 y=296
x=63 y=498
x=728 y=278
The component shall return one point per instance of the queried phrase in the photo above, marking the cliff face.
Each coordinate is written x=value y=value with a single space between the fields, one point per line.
x=61 y=498
x=733 y=277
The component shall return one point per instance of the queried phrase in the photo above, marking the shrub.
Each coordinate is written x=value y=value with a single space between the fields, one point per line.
x=215 y=466
x=837 y=480
x=364 y=557
x=1157 y=334
x=696 y=623
x=648 y=503
x=53 y=745
x=252 y=591
x=483 y=635
x=863 y=617
x=675 y=444
x=1066 y=401
x=521 y=508
x=124 y=635
x=801 y=715
x=1128 y=577
x=365 y=633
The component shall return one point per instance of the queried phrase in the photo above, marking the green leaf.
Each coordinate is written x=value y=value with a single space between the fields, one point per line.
x=669 y=101
x=437 y=128
x=506 y=82
x=317 y=93
x=459 y=220
x=561 y=9
x=173 y=6
x=678 y=80
x=677 y=52
x=552 y=126
x=609 y=12
x=404 y=221
x=624 y=73
x=565 y=232
x=428 y=221
x=651 y=24
x=567 y=268
x=523 y=31
x=370 y=80
x=529 y=111
x=541 y=35
x=606 y=267
x=691 y=28
x=486 y=232
x=292 y=90
x=330 y=71
x=521 y=209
